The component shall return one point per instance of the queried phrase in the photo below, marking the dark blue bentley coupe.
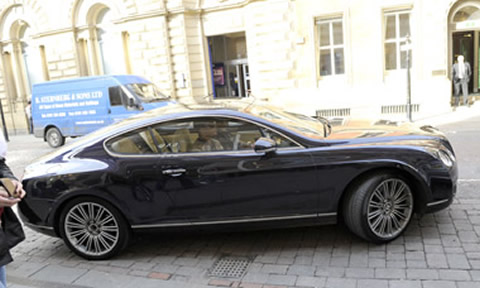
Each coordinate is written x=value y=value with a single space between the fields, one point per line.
x=243 y=165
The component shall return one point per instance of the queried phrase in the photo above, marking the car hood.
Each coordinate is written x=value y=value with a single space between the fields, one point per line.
x=378 y=130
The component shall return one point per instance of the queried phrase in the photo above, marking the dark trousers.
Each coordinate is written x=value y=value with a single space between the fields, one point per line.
x=30 y=125
x=463 y=85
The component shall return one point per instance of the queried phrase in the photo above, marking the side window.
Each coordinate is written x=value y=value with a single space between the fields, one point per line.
x=206 y=134
x=210 y=134
x=115 y=94
x=281 y=141
x=237 y=135
x=138 y=142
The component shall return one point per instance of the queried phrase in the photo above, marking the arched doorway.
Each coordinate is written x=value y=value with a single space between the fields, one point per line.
x=102 y=45
x=464 y=26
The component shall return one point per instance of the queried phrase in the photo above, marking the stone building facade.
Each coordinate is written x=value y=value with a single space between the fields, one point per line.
x=330 y=58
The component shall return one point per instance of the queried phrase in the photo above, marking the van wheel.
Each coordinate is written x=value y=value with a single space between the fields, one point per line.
x=55 y=138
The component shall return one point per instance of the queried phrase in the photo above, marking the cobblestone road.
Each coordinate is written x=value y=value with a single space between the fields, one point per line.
x=439 y=250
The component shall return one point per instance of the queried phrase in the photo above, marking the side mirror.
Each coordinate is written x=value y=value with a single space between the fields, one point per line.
x=131 y=102
x=265 y=145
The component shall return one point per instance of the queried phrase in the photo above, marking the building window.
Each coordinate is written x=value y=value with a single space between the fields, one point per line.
x=397 y=27
x=331 y=47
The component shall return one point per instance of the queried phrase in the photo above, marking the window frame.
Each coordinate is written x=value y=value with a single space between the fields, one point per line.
x=331 y=47
x=397 y=40
x=189 y=154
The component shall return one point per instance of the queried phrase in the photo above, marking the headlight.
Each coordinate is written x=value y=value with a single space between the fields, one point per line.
x=446 y=157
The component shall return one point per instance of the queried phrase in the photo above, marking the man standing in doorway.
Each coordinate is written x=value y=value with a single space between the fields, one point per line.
x=461 y=73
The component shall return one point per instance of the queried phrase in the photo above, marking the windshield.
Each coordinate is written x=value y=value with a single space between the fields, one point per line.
x=146 y=92
x=305 y=125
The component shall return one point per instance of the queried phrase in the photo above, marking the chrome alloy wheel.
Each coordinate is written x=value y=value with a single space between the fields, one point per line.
x=91 y=228
x=390 y=208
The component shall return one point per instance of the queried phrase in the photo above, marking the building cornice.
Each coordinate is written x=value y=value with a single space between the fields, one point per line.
x=154 y=14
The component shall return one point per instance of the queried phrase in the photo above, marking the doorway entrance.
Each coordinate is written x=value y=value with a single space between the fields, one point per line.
x=229 y=65
x=464 y=44
x=464 y=31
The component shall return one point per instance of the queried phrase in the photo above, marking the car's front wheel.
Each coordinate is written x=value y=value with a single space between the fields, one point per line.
x=379 y=208
x=93 y=228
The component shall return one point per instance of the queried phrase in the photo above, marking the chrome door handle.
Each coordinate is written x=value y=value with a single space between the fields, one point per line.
x=174 y=172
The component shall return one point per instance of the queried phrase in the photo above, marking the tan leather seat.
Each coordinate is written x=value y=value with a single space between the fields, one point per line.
x=125 y=146
x=147 y=137
x=183 y=139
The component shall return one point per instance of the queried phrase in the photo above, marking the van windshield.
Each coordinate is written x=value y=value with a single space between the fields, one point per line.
x=146 y=92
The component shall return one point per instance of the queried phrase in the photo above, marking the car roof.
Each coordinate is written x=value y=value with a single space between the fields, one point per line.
x=171 y=111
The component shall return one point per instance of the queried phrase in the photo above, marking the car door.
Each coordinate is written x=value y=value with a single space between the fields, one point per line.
x=228 y=180
x=135 y=182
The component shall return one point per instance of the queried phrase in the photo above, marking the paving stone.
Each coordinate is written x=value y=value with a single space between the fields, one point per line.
x=389 y=273
x=372 y=283
x=186 y=261
x=303 y=270
x=438 y=284
x=25 y=269
x=458 y=261
x=419 y=274
x=475 y=274
x=274 y=269
x=340 y=283
x=285 y=260
x=468 y=284
x=334 y=272
x=303 y=260
x=60 y=274
x=339 y=261
x=288 y=280
x=252 y=277
x=308 y=281
x=404 y=284
x=415 y=255
x=416 y=264
x=460 y=275
x=359 y=260
x=434 y=249
x=396 y=264
x=436 y=260
x=377 y=263
x=359 y=273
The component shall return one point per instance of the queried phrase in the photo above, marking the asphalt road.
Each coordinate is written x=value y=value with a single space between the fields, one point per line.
x=465 y=138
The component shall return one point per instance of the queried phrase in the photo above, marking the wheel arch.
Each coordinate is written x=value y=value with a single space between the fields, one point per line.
x=417 y=184
x=57 y=211
x=45 y=130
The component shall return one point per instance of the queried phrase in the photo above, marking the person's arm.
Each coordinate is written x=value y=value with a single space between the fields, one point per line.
x=5 y=172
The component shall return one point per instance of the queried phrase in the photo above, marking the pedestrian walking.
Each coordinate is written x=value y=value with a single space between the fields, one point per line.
x=11 y=192
x=461 y=73
x=28 y=112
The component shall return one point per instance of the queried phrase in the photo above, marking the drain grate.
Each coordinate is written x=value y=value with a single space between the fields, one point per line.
x=230 y=267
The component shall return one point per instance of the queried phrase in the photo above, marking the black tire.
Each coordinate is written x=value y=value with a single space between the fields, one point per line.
x=54 y=137
x=379 y=208
x=94 y=238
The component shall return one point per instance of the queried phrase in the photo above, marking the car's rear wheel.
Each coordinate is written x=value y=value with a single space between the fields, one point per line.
x=54 y=137
x=379 y=208
x=93 y=228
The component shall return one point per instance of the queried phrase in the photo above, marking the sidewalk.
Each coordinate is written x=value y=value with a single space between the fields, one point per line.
x=461 y=113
